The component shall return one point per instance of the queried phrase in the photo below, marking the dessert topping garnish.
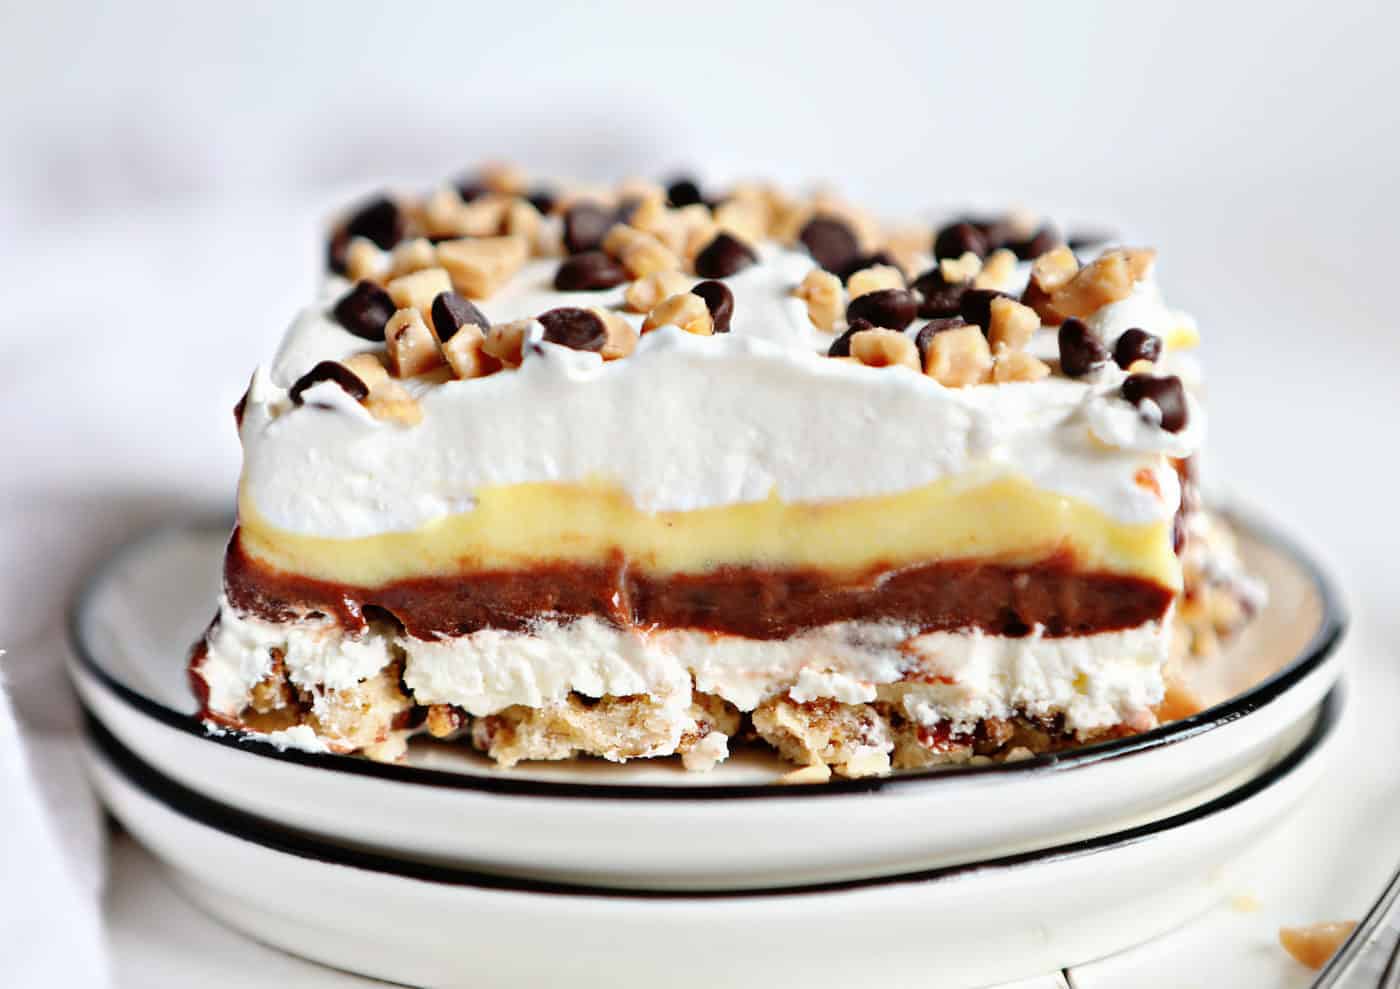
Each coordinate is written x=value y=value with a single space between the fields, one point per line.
x=578 y=329
x=683 y=191
x=724 y=256
x=1162 y=401
x=958 y=357
x=644 y=294
x=719 y=300
x=832 y=243
x=379 y=220
x=451 y=312
x=412 y=348
x=364 y=310
x=585 y=226
x=334 y=372
x=873 y=279
x=589 y=271
x=841 y=346
x=824 y=297
x=975 y=305
x=1081 y=351
x=1136 y=345
x=687 y=310
x=941 y=294
x=958 y=238
x=880 y=347
x=891 y=308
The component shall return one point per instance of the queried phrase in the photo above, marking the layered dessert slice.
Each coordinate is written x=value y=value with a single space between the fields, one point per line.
x=637 y=473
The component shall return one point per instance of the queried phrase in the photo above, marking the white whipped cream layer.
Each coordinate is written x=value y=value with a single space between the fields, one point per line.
x=1095 y=681
x=684 y=422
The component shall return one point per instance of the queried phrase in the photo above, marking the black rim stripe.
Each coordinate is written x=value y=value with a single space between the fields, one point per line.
x=1323 y=643
x=247 y=827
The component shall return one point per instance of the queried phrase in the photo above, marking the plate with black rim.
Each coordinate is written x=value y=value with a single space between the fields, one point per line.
x=652 y=824
x=987 y=921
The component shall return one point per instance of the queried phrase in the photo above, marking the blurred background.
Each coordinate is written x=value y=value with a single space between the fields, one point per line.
x=166 y=171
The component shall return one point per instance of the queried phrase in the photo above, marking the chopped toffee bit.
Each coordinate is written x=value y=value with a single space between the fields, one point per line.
x=1166 y=394
x=719 y=300
x=724 y=256
x=451 y=312
x=975 y=305
x=1017 y=365
x=480 y=265
x=578 y=329
x=412 y=348
x=363 y=260
x=884 y=348
x=958 y=357
x=412 y=255
x=825 y=298
x=643 y=295
x=622 y=335
x=890 y=308
x=832 y=243
x=334 y=372
x=645 y=255
x=687 y=310
x=958 y=238
x=1011 y=325
x=998 y=270
x=418 y=290
x=841 y=346
x=585 y=226
x=873 y=279
x=1106 y=280
x=364 y=310
x=379 y=220
x=941 y=298
x=1081 y=351
x=934 y=326
x=466 y=352
x=1136 y=345
x=683 y=191
x=589 y=271
x=506 y=341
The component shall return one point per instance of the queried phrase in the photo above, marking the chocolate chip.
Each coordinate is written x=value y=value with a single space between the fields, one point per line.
x=956 y=239
x=589 y=271
x=940 y=297
x=868 y=261
x=1166 y=394
x=470 y=188
x=380 y=220
x=841 y=346
x=891 y=308
x=625 y=208
x=364 y=310
x=1080 y=350
x=724 y=256
x=576 y=328
x=975 y=305
x=831 y=243
x=1136 y=345
x=336 y=249
x=931 y=329
x=1043 y=240
x=719 y=300
x=542 y=199
x=683 y=191
x=451 y=312
x=335 y=372
x=585 y=225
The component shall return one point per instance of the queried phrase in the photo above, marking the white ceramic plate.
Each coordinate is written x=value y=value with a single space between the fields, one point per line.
x=967 y=925
x=646 y=824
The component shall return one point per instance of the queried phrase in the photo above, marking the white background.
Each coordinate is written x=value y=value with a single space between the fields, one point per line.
x=164 y=170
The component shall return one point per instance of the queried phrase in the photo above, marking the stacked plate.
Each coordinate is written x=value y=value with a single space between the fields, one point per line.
x=445 y=870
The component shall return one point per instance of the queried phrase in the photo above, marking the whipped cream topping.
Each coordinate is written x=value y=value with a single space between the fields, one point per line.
x=684 y=422
x=1095 y=681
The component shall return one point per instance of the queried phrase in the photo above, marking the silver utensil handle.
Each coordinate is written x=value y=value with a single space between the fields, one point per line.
x=1370 y=957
